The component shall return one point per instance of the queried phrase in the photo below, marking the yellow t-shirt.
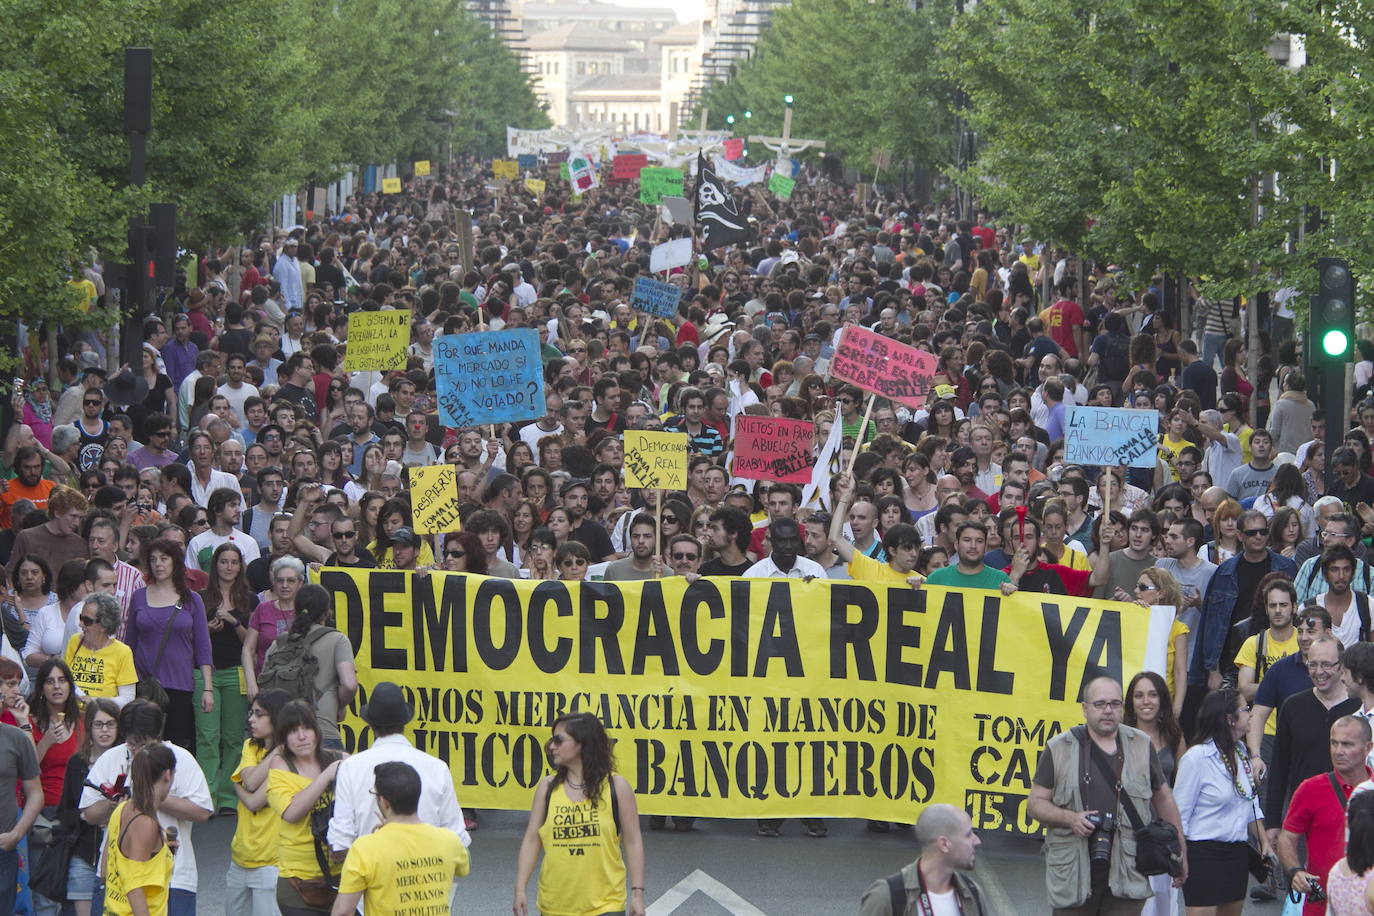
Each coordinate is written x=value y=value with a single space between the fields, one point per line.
x=405 y=869
x=1244 y=436
x=583 y=873
x=384 y=561
x=123 y=874
x=1073 y=559
x=871 y=570
x=255 y=836
x=102 y=673
x=1177 y=629
x=1246 y=657
x=1169 y=449
x=295 y=847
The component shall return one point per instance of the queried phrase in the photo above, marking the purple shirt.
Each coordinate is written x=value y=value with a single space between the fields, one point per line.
x=188 y=648
x=180 y=359
x=144 y=458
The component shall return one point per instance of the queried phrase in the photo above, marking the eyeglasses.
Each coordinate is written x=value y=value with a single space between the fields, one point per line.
x=455 y=554
x=94 y=403
x=339 y=535
x=1106 y=704
x=1256 y=532
x=557 y=739
x=686 y=556
x=88 y=621
x=108 y=723
x=1322 y=666
x=160 y=433
x=672 y=519
x=1146 y=587
x=844 y=400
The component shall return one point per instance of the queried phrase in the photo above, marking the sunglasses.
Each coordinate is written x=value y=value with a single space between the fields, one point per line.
x=1146 y=587
x=88 y=621
x=1255 y=532
x=96 y=403
x=685 y=556
x=160 y=433
x=455 y=554
x=339 y=535
x=670 y=518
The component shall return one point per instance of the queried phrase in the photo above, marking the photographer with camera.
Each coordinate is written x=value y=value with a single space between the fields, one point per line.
x=1317 y=813
x=1091 y=844
x=1219 y=804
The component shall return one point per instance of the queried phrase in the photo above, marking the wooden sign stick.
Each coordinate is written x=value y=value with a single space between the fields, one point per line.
x=863 y=427
x=658 y=527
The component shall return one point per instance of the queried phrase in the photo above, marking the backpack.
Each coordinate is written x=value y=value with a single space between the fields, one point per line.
x=1116 y=360
x=291 y=666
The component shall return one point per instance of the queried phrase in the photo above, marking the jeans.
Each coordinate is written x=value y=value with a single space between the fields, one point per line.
x=219 y=734
x=1212 y=345
x=181 y=903
x=9 y=880
x=81 y=879
x=251 y=891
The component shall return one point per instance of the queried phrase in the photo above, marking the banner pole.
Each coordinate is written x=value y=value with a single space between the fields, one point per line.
x=863 y=427
x=658 y=526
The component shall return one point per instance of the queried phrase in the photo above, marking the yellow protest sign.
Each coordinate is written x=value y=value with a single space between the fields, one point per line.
x=391 y=186
x=742 y=698
x=654 y=459
x=377 y=341
x=434 y=495
x=422 y=168
x=535 y=185
x=506 y=169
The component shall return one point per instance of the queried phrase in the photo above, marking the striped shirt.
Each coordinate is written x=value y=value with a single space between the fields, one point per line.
x=706 y=441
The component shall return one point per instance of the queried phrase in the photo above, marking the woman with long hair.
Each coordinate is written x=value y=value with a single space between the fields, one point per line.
x=370 y=479
x=1158 y=587
x=583 y=789
x=1219 y=806
x=369 y=510
x=229 y=602
x=1285 y=531
x=524 y=518
x=333 y=471
x=560 y=523
x=252 y=877
x=166 y=605
x=1225 y=542
x=1149 y=708
x=138 y=860
x=271 y=618
x=1349 y=891
x=1233 y=380
x=919 y=494
x=48 y=626
x=811 y=389
x=300 y=779
x=463 y=552
x=54 y=724
x=1286 y=488
x=99 y=733
x=393 y=516
x=1313 y=470
x=537 y=485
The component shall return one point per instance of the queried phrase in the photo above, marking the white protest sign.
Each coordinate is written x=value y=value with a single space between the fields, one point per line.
x=677 y=211
x=677 y=253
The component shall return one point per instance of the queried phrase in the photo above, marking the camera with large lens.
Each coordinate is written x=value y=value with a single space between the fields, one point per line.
x=1100 y=841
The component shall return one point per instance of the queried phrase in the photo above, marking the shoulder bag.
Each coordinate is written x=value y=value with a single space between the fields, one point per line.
x=149 y=687
x=1157 y=849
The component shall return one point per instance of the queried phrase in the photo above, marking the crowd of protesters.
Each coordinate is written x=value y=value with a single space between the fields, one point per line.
x=160 y=526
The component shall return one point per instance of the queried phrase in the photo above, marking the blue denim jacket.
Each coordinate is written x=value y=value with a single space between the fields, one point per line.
x=1216 y=613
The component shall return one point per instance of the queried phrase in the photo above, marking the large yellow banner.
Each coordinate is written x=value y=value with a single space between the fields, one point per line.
x=742 y=697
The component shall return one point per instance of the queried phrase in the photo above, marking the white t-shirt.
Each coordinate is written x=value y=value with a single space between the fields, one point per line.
x=531 y=435
x=943 y=904
x=188 y=782
x=46 y=630
x=203 y=546
x=1348 y=630
x=237 y=397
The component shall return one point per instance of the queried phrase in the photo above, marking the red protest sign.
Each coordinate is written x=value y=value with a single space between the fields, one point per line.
x=884 y=366
x=734 y=149
x=767 y=448
x=627 y=166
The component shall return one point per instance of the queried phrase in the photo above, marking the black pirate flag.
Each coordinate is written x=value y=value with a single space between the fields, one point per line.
x=719 y=220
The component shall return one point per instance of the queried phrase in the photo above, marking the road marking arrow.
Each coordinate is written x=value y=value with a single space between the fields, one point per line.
x=700 y=881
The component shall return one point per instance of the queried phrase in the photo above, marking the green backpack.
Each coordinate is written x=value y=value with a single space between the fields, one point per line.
x=291 y=665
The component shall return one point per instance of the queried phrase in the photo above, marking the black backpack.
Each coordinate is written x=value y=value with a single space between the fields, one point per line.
x=291 y=665
x=1116 y=360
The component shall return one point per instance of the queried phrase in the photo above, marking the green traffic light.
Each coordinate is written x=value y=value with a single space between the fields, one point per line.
x=729 y=119
x=748 y=114
x=1335 y=343
x=787 y=98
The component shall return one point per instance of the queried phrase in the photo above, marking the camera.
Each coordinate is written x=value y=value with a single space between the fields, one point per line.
x=1100 y=842
x=1315 y=894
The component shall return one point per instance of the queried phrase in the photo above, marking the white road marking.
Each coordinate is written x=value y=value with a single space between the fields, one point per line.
x=700 y=881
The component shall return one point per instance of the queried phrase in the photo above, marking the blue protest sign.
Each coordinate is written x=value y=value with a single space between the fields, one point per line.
x=489 y=377
x=655 y=297
x=527 y=161
x=1111 y=436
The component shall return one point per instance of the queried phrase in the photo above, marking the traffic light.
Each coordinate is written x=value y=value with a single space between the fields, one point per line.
x=164 y=245
x=730 y=120
x=1333 y=313
x=787 y=99
x=748 y=114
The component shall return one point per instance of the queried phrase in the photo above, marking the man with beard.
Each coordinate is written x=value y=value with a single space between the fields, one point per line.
x=28 y=483
x=641 y=563
x=223 y=511
x=964 y=465
x=585 y=530
x=729 y=533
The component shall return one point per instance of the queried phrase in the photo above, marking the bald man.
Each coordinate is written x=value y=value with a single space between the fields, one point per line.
x=934 y=883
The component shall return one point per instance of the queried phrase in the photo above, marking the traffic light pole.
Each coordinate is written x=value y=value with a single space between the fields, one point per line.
x=1331 y=348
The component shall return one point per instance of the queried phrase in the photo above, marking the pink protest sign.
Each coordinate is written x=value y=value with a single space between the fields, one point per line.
x=884 y=366
x=734 y=149
x=767 y=448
